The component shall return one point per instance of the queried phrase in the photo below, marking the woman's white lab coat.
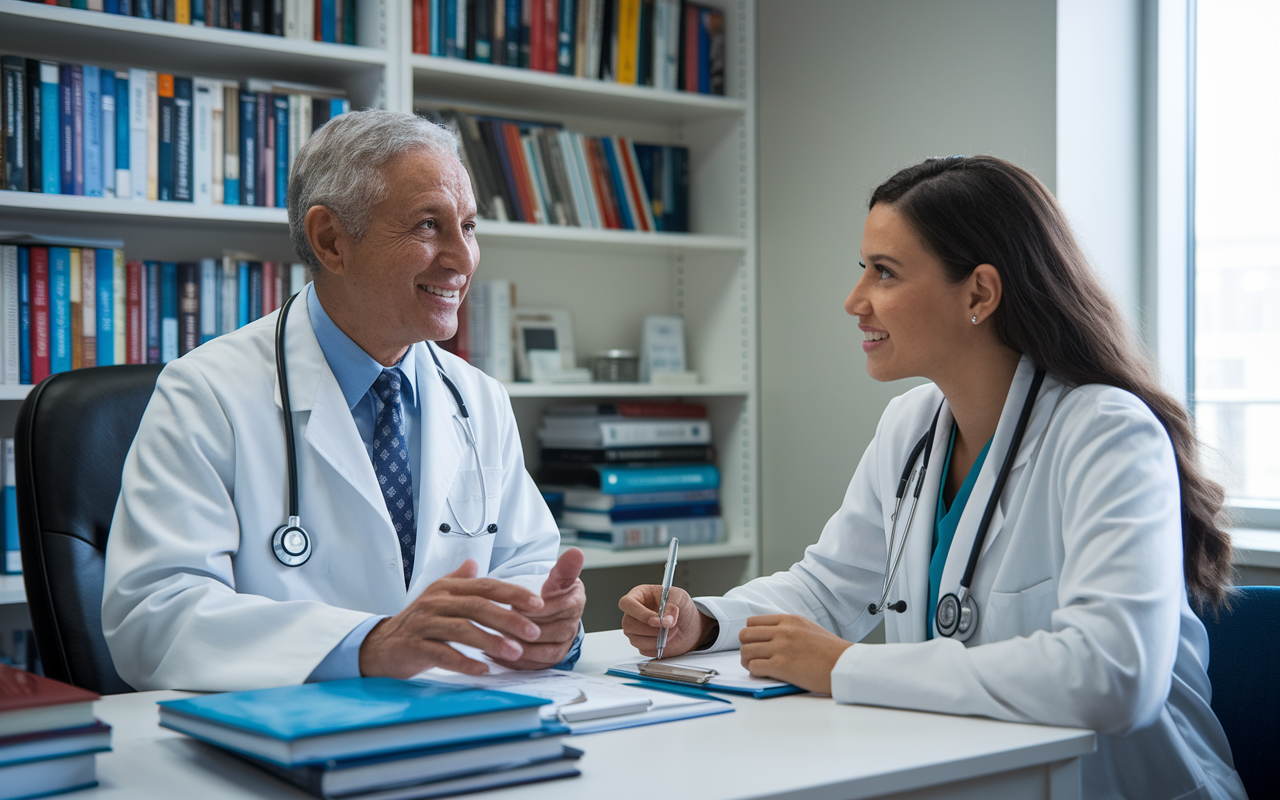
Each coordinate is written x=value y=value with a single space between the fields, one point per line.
x=195 y=598
x=1084 y=619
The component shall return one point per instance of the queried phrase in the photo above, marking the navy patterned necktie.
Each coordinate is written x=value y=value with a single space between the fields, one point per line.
x=391 y=464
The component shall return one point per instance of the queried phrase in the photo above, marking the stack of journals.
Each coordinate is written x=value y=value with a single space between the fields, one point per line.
x=145 y=135
x=380 y=738
x=48 y=736
x=636 y=474
x=71 y=303
x=321 y=21
x=536 y=172
x=667 y=44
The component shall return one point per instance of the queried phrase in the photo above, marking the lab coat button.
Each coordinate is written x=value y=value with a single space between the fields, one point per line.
x=444 y=527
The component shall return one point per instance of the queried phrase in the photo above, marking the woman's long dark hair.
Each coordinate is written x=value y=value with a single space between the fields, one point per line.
x=982 y=210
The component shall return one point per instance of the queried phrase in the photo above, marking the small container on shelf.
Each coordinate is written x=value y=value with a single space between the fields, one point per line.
x=615 y=366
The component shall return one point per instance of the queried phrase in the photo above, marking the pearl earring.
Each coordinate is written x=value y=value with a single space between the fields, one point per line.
x=975 y=319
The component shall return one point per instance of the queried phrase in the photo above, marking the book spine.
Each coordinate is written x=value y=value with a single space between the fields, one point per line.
x=77 y=129
x=119 y=354
x=13 y=552
x=209 y=293
x=635 y=186
x=24 y=315
x=217 y=148
x=151 y=95
x=92 y=123
x=280 y=176
x=66 y=127
x=88 y=307
x=230 y=300
x=75 y=288
x=99 y=304
x=40 y=319
x=188 y=308
x=108 y=114
x=183 y=174
x=168 y=312
x=167 y=127
x=202 y=138
x=276 y=22
x=50 y=128
x=242 y=294
x=248 y=149
x=59 y=309
x=10 y=370
x=265 y=136
x=628 y=32
x=566 y=50
x=699 y=530
x=255 y=290
x=138 y=134
x=231 y=189
x=13 y=88
x=135 y=334
x=268 y=287
x=35 y=126
x=152 y=312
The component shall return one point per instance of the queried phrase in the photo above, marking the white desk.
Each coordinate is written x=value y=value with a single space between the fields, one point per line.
x=799 y=746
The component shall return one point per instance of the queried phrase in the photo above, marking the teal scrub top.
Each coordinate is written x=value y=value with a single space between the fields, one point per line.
x=944 y=529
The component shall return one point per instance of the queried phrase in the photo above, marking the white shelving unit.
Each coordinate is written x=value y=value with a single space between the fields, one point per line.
x=609 y=280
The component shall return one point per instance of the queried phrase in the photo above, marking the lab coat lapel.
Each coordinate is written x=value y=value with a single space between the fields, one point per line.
x=919 y=548
x=442 y=448
x=329 y=429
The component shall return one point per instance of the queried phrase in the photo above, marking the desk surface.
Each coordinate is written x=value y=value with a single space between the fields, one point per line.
x=794 y=746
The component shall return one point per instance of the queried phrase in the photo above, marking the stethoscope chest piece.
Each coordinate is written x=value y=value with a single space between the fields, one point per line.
x=957 y=618
x=291 y=544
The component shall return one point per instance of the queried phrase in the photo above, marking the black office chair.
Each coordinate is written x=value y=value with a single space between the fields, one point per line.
x=73 y=432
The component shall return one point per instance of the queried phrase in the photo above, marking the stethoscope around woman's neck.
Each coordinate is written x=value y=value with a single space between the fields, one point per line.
x=957 y=612
x=291 y=543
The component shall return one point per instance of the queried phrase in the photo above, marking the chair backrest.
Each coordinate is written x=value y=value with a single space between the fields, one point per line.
x=1244 y=669
x=73 y=433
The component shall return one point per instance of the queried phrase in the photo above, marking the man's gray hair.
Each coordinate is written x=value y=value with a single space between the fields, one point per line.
x=340 y=168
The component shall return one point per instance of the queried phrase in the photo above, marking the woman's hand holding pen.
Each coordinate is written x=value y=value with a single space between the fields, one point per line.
x=791 y=648
x=687 y=628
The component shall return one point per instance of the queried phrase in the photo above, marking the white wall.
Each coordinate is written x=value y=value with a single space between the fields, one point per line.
x=850 y=91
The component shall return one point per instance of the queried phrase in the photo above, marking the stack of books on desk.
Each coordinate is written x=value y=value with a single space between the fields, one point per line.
x=48 y=736
x=380 y=738
x=634 y=474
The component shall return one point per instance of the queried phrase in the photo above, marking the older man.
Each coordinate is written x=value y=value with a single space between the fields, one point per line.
x=418 y=533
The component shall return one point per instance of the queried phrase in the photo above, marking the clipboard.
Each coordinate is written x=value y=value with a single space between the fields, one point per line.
x=704 y=672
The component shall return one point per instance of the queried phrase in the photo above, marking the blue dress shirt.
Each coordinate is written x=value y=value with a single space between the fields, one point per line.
x=356 y=371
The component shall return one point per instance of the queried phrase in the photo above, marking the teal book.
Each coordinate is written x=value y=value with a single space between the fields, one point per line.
x=91 y=112
x=168 y=311
x=50 y=129
x=633 y=480
x=12 y=554
x=59 y=309
x=105 y=261
x=315 y=722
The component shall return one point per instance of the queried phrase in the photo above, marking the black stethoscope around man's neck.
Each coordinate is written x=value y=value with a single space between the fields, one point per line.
x=957 y=613
x=291 y=543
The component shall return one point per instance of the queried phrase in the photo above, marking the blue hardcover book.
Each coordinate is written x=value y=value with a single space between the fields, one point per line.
x=59 y=309
x=12 y=551
x=281 y=170
x=105 y=261
x=619 y=184
x=197 y=12
x=242 y=294
x=112 y=6
x=67 y=133
x=77 y=129
x=248 y=148
x=452 y=47
x=168 y=126
x=633 y=480
x=649 y=162
x=50 y=128
x=24 y=315
x=92 y=122
x=512 y=28
x=328 y=22
x=168 y=311
x=108 y=103
x=565 y=44
x=124 y=177
x=677 y=182
x=210 y=294
x=674 y=511
x=704 y=51
x=152 y=300
x=183 y=163
x=314 y=722
x=143 y=8
x=255 y=290
x=338 y=106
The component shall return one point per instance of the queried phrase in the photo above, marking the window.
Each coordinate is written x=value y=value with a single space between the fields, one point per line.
x=1236 y=337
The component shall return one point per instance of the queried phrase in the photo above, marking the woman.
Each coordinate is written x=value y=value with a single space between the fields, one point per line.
x=1091 y=548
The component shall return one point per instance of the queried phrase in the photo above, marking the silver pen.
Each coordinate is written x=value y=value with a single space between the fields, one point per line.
x=667 y=575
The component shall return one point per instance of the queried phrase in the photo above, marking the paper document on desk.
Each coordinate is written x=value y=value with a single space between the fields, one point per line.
x=731 y=675
x=586 y=703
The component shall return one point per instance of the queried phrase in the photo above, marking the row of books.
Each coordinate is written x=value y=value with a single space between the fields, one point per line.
x=49 y=737
x=367 y=738
x=66 y=307
x=318 y=20
x=138 y=134
x=538 y=172
x=632 y=473
x=666 y=44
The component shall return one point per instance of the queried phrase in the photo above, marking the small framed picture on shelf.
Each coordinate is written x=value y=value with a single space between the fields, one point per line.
x=662 y=349
x=544 y=346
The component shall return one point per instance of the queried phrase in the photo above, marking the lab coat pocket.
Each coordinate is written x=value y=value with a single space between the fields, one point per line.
x=467 y=509
x=1021 y=613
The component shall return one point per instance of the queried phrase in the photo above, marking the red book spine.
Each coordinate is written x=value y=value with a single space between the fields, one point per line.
x=39 y=313
x=134 y=334
x=690 y=49
x=422 y=27
x=550 y=34
x=629 y=176
x=660 y=408
x=317 y=24
x=519 y=168
x=537 y=32
x=268 y=287
x=603 y=183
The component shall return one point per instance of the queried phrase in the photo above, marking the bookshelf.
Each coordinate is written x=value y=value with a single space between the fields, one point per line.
x=608 y=279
